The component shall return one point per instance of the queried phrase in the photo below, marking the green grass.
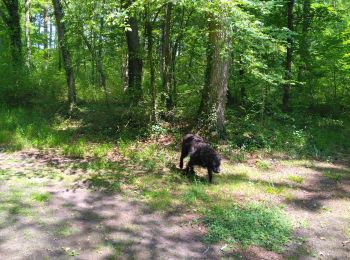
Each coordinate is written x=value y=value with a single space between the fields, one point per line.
x=253 y=224
x=334 y=176
x=296 y=179
x=158 y=200
x=41 y=197
x=196 y=193
x=262 y=165
x=25 y=128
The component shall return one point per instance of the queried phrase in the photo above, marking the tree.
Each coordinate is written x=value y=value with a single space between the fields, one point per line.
x=27 y=32
x=135 y=63
x=289 y=57
x=214 y=94
x=66 y=56
x=13 y=22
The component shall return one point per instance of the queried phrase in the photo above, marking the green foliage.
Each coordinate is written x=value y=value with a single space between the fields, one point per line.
x=251 y=225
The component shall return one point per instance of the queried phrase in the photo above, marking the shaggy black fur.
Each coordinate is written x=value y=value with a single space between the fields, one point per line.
x=200 y=154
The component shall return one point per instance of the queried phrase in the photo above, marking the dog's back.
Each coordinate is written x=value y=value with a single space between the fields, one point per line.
x=189 y=143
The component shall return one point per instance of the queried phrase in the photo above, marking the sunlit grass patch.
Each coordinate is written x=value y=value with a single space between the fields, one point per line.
x=196 y=193
x=158 y=200
x=297 y=163
x=296 y=179
x=64 y=230
x=334 y=176
x=262 y=165
x=41 y=196
x=251 y=225
x=272 y=189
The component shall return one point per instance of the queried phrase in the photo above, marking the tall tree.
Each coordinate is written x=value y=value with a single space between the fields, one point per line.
x=166 y=57
x=13 y=22
x=304 y=45
x=149 y=36
x=66 y=56
x=289 y=57
x=27 y=32
x=213 y=102
x=135 y=63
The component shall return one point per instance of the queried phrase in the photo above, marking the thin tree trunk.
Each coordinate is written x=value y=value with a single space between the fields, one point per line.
x=174 y=54
x=243 y=94
x=134 y=55
x=27 y=33
x=289 y=57
x=304 y=48
x=99 y=65
x=46 y=23
x=66 y=56
x=214 y=94
x=149 y=35
x=166 y=55
x=50 y=32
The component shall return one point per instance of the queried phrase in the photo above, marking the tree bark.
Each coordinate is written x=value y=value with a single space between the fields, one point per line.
x=214 y=94
x=66 y=56
x=135 y=63
x=46 y=24
x=149 y=35
x=289 y=57
x=13 y=23
x=304 y=46
x=99 y=65
x=166 y=58
x=27 y=33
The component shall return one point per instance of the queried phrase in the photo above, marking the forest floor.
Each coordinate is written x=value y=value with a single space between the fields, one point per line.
x=53 y=207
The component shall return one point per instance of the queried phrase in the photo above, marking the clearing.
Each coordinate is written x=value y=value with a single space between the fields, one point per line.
x=52 y=207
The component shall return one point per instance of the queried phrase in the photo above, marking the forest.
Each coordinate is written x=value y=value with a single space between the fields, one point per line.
x=96 y=96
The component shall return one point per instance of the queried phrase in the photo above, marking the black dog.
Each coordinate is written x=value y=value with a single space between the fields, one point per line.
x=200 y=154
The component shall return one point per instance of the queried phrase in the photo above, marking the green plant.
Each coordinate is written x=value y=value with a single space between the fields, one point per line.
x=262 y=165
x=41 y=197
x=296 y=179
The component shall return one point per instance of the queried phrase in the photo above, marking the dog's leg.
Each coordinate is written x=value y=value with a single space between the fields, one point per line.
x=189 y=168
x=210 y=175
x=184 y=153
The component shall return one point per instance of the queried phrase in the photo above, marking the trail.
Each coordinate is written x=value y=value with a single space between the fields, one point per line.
x=47 y=213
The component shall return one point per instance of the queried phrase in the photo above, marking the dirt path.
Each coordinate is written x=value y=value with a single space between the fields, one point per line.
x=84 y=224
x=45 y=215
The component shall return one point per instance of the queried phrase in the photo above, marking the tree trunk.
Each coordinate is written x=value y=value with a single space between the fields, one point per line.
x=175 y=51
x=166 y=58
x=66 y=56
x=13 y=23
x=50 y=32
x=243 y=94
x=99 y=65
x=289 y=57
x=304 y=47
x=214 y=94
x=27 y=33
x=149 y=35
x=134 y=55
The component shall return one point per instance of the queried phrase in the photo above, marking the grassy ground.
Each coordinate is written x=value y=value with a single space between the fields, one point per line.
x=261 y=198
